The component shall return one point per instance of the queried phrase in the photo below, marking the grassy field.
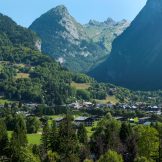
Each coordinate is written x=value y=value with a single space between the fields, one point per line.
x=32 y=138
x=89 y=129
x=22 y=75
x=109 y=99
x=80 y=85
x=3 y=101
x=20 y=65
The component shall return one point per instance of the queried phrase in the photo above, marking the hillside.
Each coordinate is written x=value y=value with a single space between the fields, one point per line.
x=26 y=74
x=72 y=44
x=13 y=35
x=135 y=60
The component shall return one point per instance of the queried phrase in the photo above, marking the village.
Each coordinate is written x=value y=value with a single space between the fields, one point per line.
x=88 y=119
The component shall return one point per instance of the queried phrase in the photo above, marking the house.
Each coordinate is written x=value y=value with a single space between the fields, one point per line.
x=87 y=104
x=110 y=105
x=31 y=105
x=144 y=120
x=26 y=113
x=59 y=121
x=154 y=109
x=75 y=105
x=86 y=121
x=131 y=120
x=134 y=107
x=96 y=117
x=120 y=118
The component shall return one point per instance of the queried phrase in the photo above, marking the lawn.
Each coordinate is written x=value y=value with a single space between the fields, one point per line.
x=80 y=85
x=32 y=138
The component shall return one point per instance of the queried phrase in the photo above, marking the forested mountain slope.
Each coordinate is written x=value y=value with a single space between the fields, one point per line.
x=25 y=73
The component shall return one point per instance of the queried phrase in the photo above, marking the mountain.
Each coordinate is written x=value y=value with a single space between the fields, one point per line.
x=69 y=42
x=26 y=74
x=14 y=35
x=105 y=32
x=136 y=58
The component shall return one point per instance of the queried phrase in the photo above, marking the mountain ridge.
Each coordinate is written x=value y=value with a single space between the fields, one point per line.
x=68 y=41
x=135 y=60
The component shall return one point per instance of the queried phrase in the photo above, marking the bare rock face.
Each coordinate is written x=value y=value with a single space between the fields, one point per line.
x=38 y=45
x=136 y=58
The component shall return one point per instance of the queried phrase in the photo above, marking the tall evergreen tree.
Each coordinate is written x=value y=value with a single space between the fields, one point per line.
x=3 y=139
x=82 y=134
x=20 y=130
x=18 y=139
x=53 y=138
x=45 y=137
x=68 y=143
x=128 y=140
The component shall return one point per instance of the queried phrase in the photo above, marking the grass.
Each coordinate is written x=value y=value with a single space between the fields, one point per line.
x=32 y=138
x=80 y=85
x=109 y=99
x=3 y=101
x=89 y=129
x=22 y=75
x=20 y=65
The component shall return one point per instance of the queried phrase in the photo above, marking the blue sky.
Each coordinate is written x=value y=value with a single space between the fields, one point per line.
x=24 y=12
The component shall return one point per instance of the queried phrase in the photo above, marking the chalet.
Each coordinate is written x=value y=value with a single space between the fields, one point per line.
x=144 y=120
x=26 y=113
x=120 y=118
x=110 y=105
x=31 y=105
x=87 y=104
x=134 y=107
x=154 y=109
x=147 y=123
x=75 y=105
x=86 y=121
x=101 y=105
x=96 y=117
x=131 y=120
x=59 y=121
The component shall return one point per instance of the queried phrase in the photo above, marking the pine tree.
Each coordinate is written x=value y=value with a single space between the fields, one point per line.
x=82 y=134
x=3 y=139
x=20 y=130
x=111 y=156
x=53 y=138
x=18 y=139
x=45 y=137
x=128 y=140
x=68 y=143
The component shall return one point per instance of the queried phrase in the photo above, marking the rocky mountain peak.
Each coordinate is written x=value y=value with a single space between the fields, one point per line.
x=59 y=10
x=94 y=22
x=110 y=21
